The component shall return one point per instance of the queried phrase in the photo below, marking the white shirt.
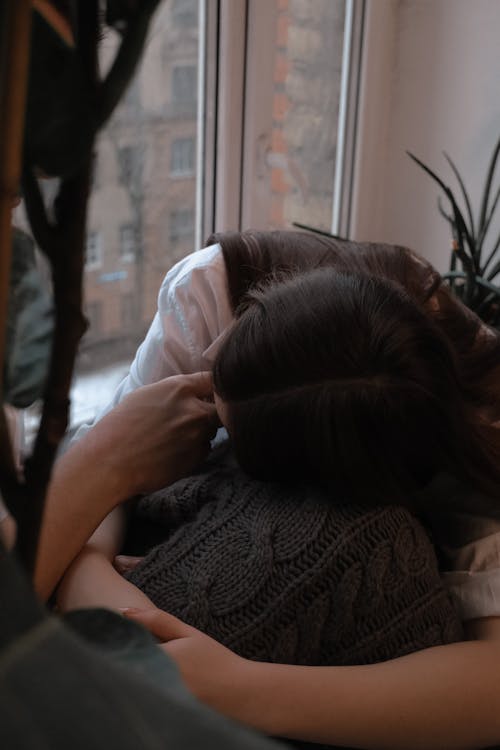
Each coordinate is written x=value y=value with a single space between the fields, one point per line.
x=193 y=313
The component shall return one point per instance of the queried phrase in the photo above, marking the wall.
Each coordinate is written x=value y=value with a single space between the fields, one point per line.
x=431 y=81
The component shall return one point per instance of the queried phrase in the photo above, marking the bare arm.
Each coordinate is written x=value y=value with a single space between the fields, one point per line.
x=92 y=581
x=154 y=436
x=444 y=697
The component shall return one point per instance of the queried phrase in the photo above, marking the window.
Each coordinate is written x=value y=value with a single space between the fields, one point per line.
x=128 y=243
x=181 y=224
x=182 y=157
x=185 y=12
x=134 y=194
x=294 y=64
x=243 y=96
x=184 y=88
x=93 y=251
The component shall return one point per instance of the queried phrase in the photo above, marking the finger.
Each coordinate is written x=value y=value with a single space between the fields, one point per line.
x=201 y=384
x=163 y=625
x=208 y=413
x=126 y=563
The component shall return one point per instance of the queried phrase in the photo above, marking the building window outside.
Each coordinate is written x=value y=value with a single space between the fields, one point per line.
x=181 y=224
x=182 y=157
x=185 y=12
x=93 y=251
x=184 y=86
x=128 y=243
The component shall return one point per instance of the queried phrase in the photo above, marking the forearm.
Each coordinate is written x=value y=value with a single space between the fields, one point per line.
x=83 y=490
x=445 y=697
x=91 y=581
x=154 y=436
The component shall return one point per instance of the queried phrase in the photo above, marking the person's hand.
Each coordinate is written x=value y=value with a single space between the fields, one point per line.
x=157 y=434
x=213 y=673
x=126 y=563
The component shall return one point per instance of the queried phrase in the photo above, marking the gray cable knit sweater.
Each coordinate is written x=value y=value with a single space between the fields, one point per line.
x=280 y=573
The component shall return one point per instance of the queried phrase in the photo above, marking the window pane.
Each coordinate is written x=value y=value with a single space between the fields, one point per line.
x=142 y=213
x=295 y=149
x=182 y=156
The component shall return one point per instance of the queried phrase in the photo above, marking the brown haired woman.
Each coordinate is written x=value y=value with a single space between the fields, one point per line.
x=357 y=369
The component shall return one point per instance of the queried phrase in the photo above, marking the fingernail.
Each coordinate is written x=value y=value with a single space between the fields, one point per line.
x=128 y=610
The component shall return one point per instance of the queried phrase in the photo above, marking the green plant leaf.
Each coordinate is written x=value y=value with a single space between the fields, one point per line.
x=487 y=185
x=488 y=285
x=443 y=213
x=457 y=214
x=464 y=192
x=486 y=225
x=29 y=327
x=470 y=264
x=490 y=258
x=315 y=230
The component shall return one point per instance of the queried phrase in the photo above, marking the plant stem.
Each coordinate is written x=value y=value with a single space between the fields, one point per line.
x=64 y=246
x=15 y=41
x=15 y=30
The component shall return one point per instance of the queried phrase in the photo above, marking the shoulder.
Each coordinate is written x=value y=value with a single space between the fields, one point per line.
x=203 y=268
x=193 y=309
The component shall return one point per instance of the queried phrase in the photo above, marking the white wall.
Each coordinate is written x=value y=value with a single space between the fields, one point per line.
x=431 y=81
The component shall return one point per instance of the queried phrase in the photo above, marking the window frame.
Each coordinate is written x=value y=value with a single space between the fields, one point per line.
x=237 y=32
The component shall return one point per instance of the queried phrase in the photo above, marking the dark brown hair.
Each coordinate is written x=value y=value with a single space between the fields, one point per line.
x=352 y=365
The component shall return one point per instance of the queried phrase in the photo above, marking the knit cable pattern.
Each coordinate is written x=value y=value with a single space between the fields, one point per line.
x=281 y=573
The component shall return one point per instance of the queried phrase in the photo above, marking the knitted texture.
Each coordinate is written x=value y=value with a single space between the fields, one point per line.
x=280 y=573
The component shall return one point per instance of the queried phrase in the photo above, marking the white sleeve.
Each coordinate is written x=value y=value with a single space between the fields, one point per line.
x=466 y=528
x=193 y=312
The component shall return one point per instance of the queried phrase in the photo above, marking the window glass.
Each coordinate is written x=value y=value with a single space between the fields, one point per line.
x=182 y=156
x=141 y=216
x=184 y=89
x=93 y=251
x=128 y=243
x=181 y=224
x=292 y=157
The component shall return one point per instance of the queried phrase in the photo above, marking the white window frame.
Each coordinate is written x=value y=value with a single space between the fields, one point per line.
x=234 y=139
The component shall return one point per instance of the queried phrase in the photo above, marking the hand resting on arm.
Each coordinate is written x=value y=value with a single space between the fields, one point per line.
x=155 y=435
x=443 y=697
